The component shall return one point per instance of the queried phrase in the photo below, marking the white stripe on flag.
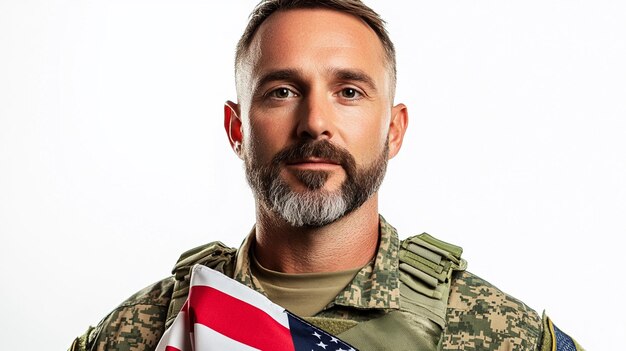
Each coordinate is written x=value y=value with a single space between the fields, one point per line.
x=208 y=339
x=176 y=335
x=202 y=275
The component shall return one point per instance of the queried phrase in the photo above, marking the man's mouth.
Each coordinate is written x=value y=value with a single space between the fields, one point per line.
x=316 y=163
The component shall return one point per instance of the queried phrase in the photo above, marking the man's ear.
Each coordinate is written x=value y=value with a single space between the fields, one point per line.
x=232 y=125
x=397 y=127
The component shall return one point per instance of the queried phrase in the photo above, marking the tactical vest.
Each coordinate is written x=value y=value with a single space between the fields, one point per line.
x=426 y=268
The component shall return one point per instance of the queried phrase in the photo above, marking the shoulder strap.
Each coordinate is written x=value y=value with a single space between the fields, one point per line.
x=213 y=255
x=426 y=267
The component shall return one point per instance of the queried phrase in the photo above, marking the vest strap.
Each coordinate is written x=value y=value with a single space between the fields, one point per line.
x=426 y=267
x=213 y=255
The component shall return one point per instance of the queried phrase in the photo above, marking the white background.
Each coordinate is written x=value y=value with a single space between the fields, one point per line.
x=113 y=158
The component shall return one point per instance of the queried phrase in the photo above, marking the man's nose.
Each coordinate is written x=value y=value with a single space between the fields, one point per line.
x=316 y=119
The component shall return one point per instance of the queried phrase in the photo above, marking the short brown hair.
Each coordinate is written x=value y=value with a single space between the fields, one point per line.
x=352 y=7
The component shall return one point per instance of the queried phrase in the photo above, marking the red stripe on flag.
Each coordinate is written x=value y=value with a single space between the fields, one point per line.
x=237 y=320
x=171 y=348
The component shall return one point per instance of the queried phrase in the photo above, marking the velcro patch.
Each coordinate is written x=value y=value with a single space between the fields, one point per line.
x=562 y=341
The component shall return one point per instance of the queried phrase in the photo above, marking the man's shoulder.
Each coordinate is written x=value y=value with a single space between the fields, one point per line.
x=482 y=317
x=139 y=322
x=478 y=315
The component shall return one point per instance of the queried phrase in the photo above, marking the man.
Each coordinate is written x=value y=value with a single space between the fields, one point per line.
x=315 y=124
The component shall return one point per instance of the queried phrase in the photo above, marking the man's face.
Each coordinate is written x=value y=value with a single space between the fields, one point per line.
x=315 y=110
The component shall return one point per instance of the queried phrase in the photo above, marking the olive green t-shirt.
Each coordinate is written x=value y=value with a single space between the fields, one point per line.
x=304 y=294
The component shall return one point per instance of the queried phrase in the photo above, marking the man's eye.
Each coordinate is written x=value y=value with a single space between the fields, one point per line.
x=350 y=93
x=282 y=93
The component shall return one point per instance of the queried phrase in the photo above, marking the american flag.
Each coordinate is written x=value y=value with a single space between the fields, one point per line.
x=223 y=314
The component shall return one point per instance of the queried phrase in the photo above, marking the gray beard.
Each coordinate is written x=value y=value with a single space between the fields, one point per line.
x=311 y=208
x=315 y=207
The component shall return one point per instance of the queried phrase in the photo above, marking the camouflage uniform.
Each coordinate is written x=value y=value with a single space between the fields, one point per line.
x=375 y=311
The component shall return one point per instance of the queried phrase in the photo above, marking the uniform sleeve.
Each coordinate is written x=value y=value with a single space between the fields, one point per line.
x=481 y=317
x=553 y=339
x=135 y=325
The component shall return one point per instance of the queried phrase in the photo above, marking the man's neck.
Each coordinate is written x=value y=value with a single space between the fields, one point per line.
x=347 y=243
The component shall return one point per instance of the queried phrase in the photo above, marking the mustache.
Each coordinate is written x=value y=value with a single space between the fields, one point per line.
x=318 y=149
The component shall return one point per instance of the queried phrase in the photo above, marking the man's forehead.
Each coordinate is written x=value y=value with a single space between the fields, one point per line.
x=295 y=33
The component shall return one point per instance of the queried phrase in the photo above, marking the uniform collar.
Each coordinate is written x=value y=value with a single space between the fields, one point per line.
x=375 y=286
x=242 y=272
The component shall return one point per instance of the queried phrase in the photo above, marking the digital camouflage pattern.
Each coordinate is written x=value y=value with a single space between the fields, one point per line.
x=478 y=317
x=136 y=324
x=499 y=322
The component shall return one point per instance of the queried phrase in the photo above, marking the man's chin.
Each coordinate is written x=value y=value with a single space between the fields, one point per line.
x=313 y=224
x=310 y=208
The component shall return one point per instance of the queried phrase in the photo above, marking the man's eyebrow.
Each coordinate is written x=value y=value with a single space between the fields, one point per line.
x=291 y=74
x=354 y=75
x=281 y=74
